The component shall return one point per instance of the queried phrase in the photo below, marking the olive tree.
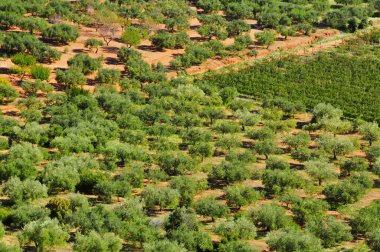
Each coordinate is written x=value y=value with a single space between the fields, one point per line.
x=21 y=191
x=336 y=146
x=370 y=132
x=209 y=206
x=7 y=92
x=321 y=170
x=265 y=38
x=329 y=230
x=61 y=33
x=131 y=36
x=270 y=217
x=93 y=43
x=293 y=240
x=44 y=233
x=96 y=242
x=238 y=196
x=238 y=229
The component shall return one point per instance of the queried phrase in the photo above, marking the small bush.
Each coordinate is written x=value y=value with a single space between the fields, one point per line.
x=40 y=72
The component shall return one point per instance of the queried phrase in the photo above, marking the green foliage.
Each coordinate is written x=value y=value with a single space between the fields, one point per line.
x=131 y=36
x=9 y=248
x=44 y=233
x=93 y=43
x=23 y=60
x=163 y=245
x=363 y=221
x=208 y=206
x=166 y=198
x=293 y=240
x=329 y=230
x=84 y=63
x=40 y=72
x=320 y=170
x=238 y=229
x=7 y=92
x=61 y=33
x=354 y=164
x=108 y=76
x=237 y=27
x=348 y=191
x=162 y=40
x=238 y=196
x=270 y=217
x=303 y=78
x=61 y=175
x=370 y=132
x=96 y=242
x=236 y=246
x=191 y=239
x=24 y=214
x=336 y=146
x=26 y=43
x=373 y=239
x=58 y=207
x=187 y=188
x=21 y=191
x=274 y=162
x=280 y=181
x=265 y=38
x=71 y=78
x=230 y=172
x=309 y=208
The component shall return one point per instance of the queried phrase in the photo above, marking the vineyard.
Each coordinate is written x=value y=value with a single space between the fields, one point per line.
x=346 y=77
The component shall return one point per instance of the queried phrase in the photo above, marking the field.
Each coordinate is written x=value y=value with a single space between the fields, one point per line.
x=345 y=78
x=117 y=136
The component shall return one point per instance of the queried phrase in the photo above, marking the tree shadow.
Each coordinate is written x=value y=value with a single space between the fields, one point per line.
x=111 y=49
x=4 y=70
x=78 y=50
x=149 y=48
x=198 y=39
x=111 y=61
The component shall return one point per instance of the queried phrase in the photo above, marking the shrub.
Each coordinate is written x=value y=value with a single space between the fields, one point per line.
x=71 y=78
x=279 y=163
x=320 y=170
x=210 y=207
x=20 y=191
x=23 y=60
x=363 y=221
x=84 y=63
x=239 y=229
x=238 y=196
x=108 y=76
x=270 y=217
x=373 y=240
x=237 y=27
x=61 y=33
x=265 y=38
x=348 y=191
x=293 y=240
x=107 y=242
x=44 y=233
x=329 y=230
x=58 y=207
x=7 y=92
x=131 y=36
x=21 y=42
x=233 y=246
x=93 y=43
x=128 y=54
x=40 y=72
